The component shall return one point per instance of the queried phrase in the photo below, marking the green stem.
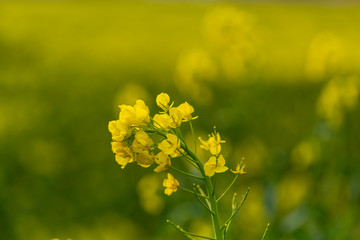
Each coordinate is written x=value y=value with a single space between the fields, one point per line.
x=228 y=187
x=237 y=209
x=193 y=135
x=206 y=206
x=266 y=229
x=186 y=190
x=188 y=233
x=185 y=173
x=211 y=194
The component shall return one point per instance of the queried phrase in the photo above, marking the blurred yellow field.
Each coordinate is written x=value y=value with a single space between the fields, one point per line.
x=281 y=82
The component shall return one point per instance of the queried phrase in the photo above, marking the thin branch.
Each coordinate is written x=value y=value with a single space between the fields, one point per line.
x=266 y=229
x=193 y=135
x=197 y=197
x=233 y=208
x=233 y=181
x=186 y=190
x=187 y=174
x=237 y=209
x=188 y=234
x=192 y=192
x=189 y=160
x=203 y=194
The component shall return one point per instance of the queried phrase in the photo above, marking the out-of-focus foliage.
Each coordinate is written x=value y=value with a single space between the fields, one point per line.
x=281 y=83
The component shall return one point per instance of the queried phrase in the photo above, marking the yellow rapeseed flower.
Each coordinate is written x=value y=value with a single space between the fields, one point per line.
x=186 y=110
x=118 y=130
x=123 y=154
x=170 y=146
x=176 y=116
x=170 y=184
x=163 y=100
x=141 y=142
x=144 y=159
x=162 y=121
x=214 y=165
x=163 y=160
x=212 y=144
x=138 y=115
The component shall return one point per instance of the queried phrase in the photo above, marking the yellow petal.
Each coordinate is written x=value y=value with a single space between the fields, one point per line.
x=162 y=100
x=221 y=169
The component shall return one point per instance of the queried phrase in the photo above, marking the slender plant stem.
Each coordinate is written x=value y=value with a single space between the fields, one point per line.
x=193 y=135
x=237 y=175
x=206 y=206
x=211 y=193
x=185 y=173
x=186 y=190
x=266 y=229
x=237 y=209
x=188 y=233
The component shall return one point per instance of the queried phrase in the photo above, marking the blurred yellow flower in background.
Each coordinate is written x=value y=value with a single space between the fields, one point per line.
x=149 y=189
x=325 y=56
x=338 y=95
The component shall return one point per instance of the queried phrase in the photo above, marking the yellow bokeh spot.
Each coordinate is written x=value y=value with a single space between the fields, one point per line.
x=305 y=153
x=195 y=68
x=325 y=56
x=291 y=191
x=129 y=93
x=337 y=96
x=149 y=188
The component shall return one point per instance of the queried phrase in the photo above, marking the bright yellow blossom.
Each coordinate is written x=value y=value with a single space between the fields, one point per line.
x=138 y=115
x=170 y=146
x=163 y=160
x=186 y=110
x=119 y=147
x=141 y=142
x=163 y=100
x=144 y=159
x=118 y=130
x=214 y=165
x=212 y=144
x=162 y=121
x=176 y=116
x=123 y=154
x=170 y=184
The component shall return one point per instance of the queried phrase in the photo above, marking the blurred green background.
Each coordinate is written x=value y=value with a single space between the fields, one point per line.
x=280 y=82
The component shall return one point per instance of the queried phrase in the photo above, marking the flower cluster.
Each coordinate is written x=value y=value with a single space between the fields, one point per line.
x=131 y=139
x=137 y=137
